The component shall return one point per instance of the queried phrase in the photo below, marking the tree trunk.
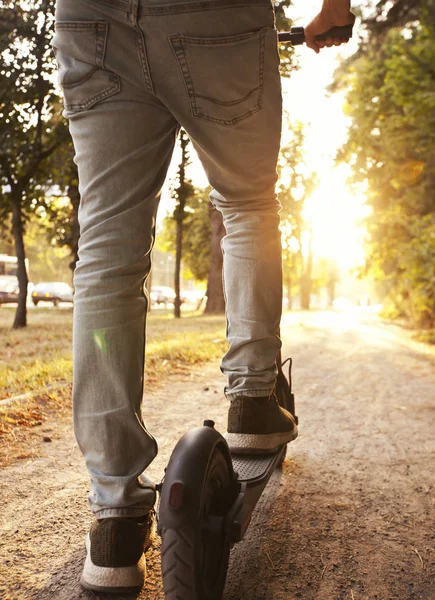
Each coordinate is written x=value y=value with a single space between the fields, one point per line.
x=331 y=292
x=178 y=253
x=215 y=292
x=306 y=279
x=289 y=292
x=148 y=284
x=18 y=232
x=74 y=198
x=332 y=282
x=179 y=216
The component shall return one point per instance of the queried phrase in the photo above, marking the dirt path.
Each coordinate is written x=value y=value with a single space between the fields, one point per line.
x=350 y=517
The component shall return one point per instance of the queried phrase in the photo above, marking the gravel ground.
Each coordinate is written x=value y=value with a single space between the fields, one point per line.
x=349 y=516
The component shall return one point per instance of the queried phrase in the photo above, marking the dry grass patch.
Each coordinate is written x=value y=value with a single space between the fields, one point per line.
x=36 y=361
x=174 y=344
x=38 y=358
x=21 y=434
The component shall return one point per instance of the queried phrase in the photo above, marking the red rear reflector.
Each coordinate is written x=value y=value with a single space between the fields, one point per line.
x=176 y=496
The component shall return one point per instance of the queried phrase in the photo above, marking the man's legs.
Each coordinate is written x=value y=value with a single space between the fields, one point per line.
x=218 y=78
x=123 y=138
x=224 y=62
x=122 y=150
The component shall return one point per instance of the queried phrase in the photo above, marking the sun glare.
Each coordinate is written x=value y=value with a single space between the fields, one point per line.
x=335 y=215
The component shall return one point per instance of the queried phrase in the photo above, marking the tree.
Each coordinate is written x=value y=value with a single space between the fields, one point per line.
x=31 y=128
x=203 y=230
x=331 y=280
x=325 y=276
x=296 y=183
x=63 y=223
x=286 y=50
x=391 y=148
x=307 y=271
x=215 y=291
x=393 y=14
x=182 y=193
x=196 y=235
x=48 y=261
x=290 y=196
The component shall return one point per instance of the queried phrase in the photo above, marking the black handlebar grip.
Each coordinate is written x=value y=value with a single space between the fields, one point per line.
x=342 y=33
x=296 y=35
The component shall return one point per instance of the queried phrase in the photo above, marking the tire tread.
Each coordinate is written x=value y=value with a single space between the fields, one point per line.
x=178 y=575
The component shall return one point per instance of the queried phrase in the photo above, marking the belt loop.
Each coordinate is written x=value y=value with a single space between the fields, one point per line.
x=134 y=17
x=134 y=10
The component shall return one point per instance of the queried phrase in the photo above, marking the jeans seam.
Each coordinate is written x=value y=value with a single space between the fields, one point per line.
x=199 y=6
x=177 y=48
x=227 y=122
x=216 y=41
x=261 y=69
x=70 y=86
x=141 y=44
x=100 y=49
x=110 y=91
x=118 y=4
x=232 y=102
x=252 y=393
x=77 y=25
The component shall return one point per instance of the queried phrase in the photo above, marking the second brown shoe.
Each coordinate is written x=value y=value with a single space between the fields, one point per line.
x=259 y=425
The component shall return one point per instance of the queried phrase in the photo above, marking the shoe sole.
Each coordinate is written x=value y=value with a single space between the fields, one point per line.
x=253 y=443
x=115 y=580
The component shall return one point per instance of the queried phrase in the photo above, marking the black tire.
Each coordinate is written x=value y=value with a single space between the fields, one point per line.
x=194 y=560
x=35 y=302
x=55 y=301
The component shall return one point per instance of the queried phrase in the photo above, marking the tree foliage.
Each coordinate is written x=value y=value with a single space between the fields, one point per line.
x=181 y=193
x=197 y=233
x=31 y=128
x=396 y=13
x=283 y=23
x=391 y=147
x=296 y=183
x=35 y=147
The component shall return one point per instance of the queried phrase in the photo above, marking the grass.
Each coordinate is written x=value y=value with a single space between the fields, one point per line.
x=36 y=362
x=38 y=358
x=427 y=336
x=183 y=342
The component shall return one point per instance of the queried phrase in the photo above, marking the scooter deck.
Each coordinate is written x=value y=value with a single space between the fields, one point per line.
x=252 y=468
x=253 y=472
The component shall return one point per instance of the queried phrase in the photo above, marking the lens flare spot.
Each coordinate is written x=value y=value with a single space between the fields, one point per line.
x=411 y=171
x=100 y=340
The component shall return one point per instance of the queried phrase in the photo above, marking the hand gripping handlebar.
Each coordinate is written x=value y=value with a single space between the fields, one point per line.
x=296 y=35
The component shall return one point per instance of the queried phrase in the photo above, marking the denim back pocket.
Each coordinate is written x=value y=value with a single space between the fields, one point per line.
x=223 y=75
x=79 y=48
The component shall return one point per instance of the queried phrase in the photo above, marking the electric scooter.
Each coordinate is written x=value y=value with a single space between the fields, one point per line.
x=207 y=496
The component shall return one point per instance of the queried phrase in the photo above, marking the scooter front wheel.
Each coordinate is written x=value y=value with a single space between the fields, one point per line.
x=195 y=556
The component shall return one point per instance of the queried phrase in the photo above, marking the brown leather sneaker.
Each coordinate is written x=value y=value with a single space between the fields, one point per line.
x=259 y=425
x=115 y=560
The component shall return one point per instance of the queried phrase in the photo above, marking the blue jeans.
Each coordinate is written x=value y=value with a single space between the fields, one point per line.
x=133 y=72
